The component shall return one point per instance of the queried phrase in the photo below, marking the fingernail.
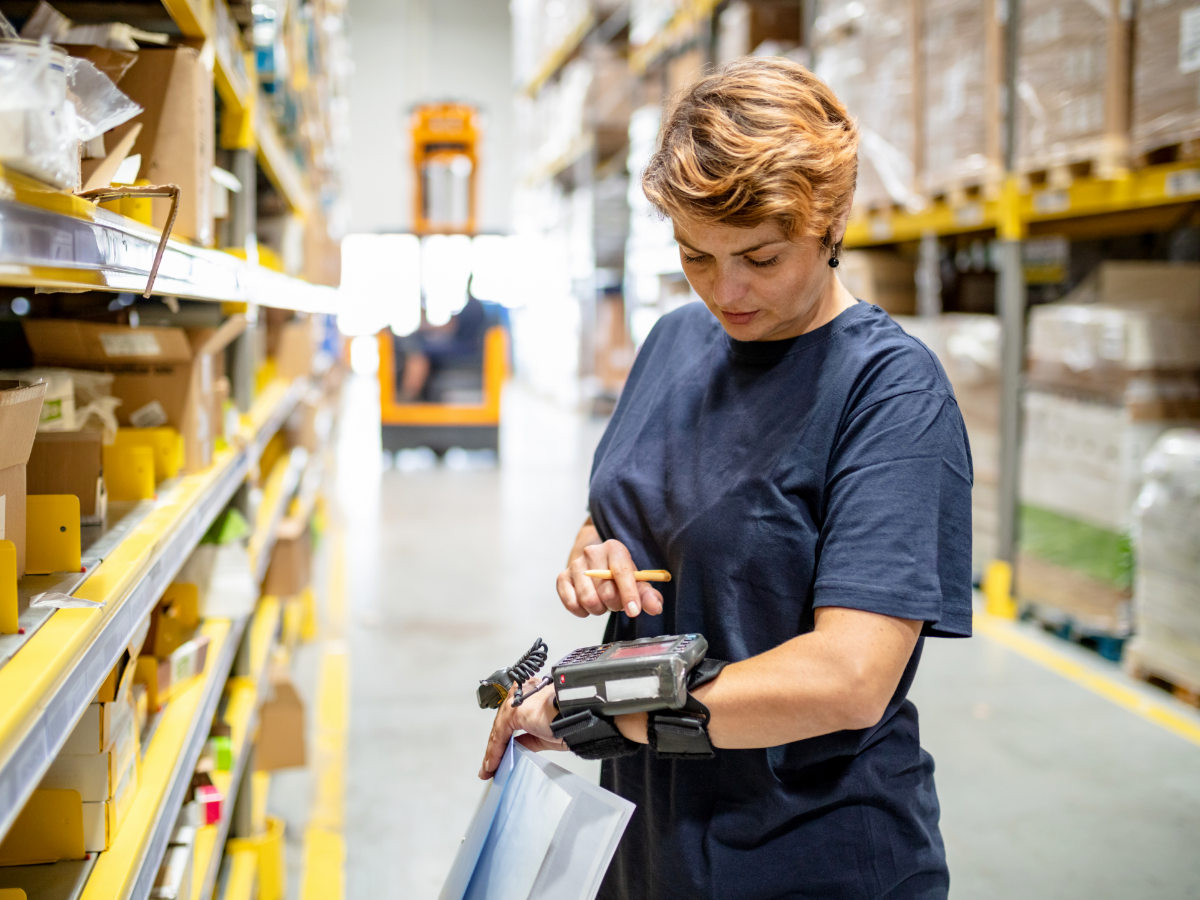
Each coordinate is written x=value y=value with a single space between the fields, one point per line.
x=631 y=608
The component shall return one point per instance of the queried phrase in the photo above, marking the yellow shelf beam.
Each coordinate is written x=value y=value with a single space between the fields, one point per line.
x=1155 y=187
x=47 y=684
x=117 y=869
x=559 y=56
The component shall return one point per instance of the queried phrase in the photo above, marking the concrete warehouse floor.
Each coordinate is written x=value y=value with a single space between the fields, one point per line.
x=1048 y=790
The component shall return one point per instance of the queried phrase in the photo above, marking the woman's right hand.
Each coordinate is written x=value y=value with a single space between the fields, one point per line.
x=584 y=596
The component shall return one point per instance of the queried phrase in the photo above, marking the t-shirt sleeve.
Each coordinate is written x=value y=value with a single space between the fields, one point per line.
x=896 y=535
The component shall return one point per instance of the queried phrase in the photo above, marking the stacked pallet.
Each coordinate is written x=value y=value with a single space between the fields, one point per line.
x=1167 y=591
x=867 y=52
x=968 y=347
x=1110 y=369
x=1166 y=80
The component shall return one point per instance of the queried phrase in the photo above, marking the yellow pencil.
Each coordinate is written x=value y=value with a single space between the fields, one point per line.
x=640 y=575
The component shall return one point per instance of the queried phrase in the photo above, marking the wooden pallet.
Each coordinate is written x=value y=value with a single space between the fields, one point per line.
x=1183 y=151
x=1180 y=685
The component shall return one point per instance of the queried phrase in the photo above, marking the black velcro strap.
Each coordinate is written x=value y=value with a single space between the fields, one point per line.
x=674 y=736
x=591 y=736
x=704 y=672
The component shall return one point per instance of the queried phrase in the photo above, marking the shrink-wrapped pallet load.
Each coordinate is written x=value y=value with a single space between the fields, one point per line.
x=1167 y=590
x=1073 y=85
x=1166 y=75
x=866 y=51
x=968 y=347
x=1110 y=370
x=961 y=54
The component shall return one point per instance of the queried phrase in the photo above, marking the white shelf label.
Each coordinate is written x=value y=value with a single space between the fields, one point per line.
x=117 y=343
x=1047 y=202
x=1184 y=181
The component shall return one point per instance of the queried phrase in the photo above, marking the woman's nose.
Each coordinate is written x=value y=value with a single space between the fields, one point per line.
x=728 y=288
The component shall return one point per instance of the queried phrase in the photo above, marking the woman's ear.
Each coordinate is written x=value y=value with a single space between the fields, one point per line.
x=837 y=230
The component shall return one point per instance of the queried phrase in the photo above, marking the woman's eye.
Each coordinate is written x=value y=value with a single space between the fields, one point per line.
x=693 y=259
x=764 y=264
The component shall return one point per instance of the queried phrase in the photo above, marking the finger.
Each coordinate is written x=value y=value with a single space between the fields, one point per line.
x=502 y=730
x=623 y=569
x=606 y=590
x=652 y=601
x=585 y=589
x=566 y=593
x=538 y=744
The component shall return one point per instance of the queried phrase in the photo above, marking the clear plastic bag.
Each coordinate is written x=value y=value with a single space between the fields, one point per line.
x=37 y=121
x=99 y=104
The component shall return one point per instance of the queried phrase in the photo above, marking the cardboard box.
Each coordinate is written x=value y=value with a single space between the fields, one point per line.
x=103 y=820
x=96 y=776
x=174 y=880
x=281 y=729
x=174 y=619
x=885 y=279
x=99 y=727
x=70 y=462
x=20 y=409
x=175 y=90
x=290 y=569
x=294 y=356
x=162 y=375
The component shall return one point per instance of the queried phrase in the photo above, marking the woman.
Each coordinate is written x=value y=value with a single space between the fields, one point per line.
x=801 y=467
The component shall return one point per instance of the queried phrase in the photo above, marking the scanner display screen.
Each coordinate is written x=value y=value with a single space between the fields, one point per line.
x=643 y=649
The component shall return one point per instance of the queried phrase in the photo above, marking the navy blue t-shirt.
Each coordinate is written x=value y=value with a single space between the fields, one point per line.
x=831 y=469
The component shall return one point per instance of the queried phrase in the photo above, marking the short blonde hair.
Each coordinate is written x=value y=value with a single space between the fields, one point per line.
x=760 y=139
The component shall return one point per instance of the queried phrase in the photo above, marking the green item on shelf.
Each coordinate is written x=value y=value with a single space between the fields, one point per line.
x=221 y=749
x=230 y=526
x=1062 y=541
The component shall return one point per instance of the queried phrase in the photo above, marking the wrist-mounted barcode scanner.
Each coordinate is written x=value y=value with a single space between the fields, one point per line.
x=652 y=675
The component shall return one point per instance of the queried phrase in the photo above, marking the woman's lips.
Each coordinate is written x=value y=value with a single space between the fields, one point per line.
x=739 y=318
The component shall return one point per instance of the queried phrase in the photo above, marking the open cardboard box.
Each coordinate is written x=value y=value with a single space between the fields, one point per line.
x=20 y=408
x=163 y=375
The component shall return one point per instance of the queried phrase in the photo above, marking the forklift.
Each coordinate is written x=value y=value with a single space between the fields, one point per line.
x=458 y=404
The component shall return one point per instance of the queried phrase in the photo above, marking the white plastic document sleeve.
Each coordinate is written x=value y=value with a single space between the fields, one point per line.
x=540 y=833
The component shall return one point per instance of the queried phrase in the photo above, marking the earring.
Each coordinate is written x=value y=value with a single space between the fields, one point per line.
x=833 y=262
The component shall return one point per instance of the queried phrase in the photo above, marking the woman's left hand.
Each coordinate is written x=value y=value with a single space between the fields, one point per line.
x=533 y=717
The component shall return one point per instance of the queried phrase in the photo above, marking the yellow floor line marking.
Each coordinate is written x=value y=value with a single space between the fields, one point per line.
x=324 y=876
x=1106 y=686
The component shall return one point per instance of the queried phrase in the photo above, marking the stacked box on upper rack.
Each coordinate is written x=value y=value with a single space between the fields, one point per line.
x=1166 y=75
x=1110 y=369
x=1167 y=589
x=961 y=57
x=1073 y=85
x=867 y=52
x=968 y=346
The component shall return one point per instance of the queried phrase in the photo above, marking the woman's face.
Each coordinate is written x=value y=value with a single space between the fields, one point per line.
x=761 y=285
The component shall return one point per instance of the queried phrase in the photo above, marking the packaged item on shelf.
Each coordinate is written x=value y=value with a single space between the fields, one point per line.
x=174 y=880
x=37 y=127
x=163 y=376
x=53 y=534
x=968 y=347
x=962 y=56
x=294 y=355
x=47 y=22
x=881 y=277
x=102 y=820
x=1073 y=85
x=165 y=678
x=175 y=88
x=70 y=462
x=96 y=776
x=290 y=569
x=866 y=51
x=75 y=399
x=20 y=409
x=1166 y=611
x=310 y=424
x=281 y=732
x=99 y=726
x=48 y=829
x=1166 y=77
x=208 y=799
